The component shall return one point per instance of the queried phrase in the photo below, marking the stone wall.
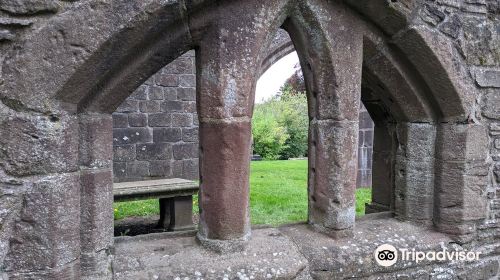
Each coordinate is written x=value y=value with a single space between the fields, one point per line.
x=429 y=77
x=155 y=131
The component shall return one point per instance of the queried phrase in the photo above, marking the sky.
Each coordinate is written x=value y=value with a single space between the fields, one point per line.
x=271 y=81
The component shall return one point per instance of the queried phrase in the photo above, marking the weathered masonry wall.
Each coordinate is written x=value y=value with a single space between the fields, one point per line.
x=426 y=71
x=155 y=131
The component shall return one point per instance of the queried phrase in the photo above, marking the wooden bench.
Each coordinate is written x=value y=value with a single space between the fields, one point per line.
x=175 y=195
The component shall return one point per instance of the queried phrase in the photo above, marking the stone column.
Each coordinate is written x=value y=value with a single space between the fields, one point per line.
x=224 y=179
x=382 y=168
x=461 y=179
x=414 y=172
x=334 y=88
x=96 y=179
x=225 y=95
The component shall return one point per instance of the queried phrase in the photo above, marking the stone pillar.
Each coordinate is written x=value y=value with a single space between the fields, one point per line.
x=333 y=74
x=461 y=179
x=332 y=176
x=96 y=178
x=382 y=168
x=224 y=183
x=225 y=98
x=414 y=172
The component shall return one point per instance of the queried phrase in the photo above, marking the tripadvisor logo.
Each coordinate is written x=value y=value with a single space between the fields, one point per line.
x=387 y=255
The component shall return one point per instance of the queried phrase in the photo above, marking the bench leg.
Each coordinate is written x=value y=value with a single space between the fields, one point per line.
x=176 y=213
x=165 y=213
x=181 y=215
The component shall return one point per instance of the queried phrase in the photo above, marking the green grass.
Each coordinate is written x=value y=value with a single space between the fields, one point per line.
x=278 y=195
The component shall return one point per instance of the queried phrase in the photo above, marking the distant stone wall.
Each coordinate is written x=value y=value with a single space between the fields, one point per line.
x=155 y=131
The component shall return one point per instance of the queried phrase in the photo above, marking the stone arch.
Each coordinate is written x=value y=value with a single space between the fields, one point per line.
x=333 y=96
x=435 y=109
x=40 y=143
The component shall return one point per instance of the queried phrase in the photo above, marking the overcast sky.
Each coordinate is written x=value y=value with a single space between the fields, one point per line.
x=271 y=81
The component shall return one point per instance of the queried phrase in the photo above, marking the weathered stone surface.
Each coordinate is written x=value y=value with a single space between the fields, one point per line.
x=414 y=189
x=87 y=59
x=160 y=120
x=488 y=78
x=97 y=209
x=432 y=15
x=160 y=168
x=190 y=169
x=155 y=93
x=124 y=153
x=133 y=135
x=39 y=144
x=297 y=252
x=390 y=16
x=150 y=106
x=384 y=73
x=154 y=151
x=482 y=43
x=417 y=140
x=120 y=120
x=269 y=254
x=138 y=169
x=191 y=135
x=187 y=94
x=46 y=235
x=96 y=140
x=461 y=196
x=470 y=142
x=185 y=151
x=491 y=107
x=137 y=120
x=172 y=106
x=27 y=7
x=167 y=134
x=451 y=26
x=225 y=150
x=69 y=271
x=331 y=190
x=448 y=80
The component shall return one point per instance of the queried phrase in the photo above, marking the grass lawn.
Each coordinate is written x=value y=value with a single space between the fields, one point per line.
x=278 y=195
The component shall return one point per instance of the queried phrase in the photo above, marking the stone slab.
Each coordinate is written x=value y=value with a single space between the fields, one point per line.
x=297 y=252
x=149 y=189
x=268 y=255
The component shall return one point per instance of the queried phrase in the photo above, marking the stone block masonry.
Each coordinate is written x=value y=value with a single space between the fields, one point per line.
x=425 y=70
x=155 y=130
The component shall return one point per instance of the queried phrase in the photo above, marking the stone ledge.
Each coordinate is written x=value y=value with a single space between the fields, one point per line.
x=295 y=252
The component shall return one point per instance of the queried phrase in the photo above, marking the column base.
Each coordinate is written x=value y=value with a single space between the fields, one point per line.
x=224 y=246
x=334 y=233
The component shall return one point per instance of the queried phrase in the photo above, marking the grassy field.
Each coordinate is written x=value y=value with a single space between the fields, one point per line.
x=278 y=195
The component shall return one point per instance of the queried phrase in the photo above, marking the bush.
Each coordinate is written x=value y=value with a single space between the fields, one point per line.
x=280 y=126
x=269 y=136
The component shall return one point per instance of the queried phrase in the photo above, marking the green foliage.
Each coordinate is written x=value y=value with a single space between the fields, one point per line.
x=269 y=135
x=278 y=195
x=280 y=126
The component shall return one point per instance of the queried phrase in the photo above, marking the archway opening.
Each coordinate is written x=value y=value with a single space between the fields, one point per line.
x=155 y=137
x=278 y=176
